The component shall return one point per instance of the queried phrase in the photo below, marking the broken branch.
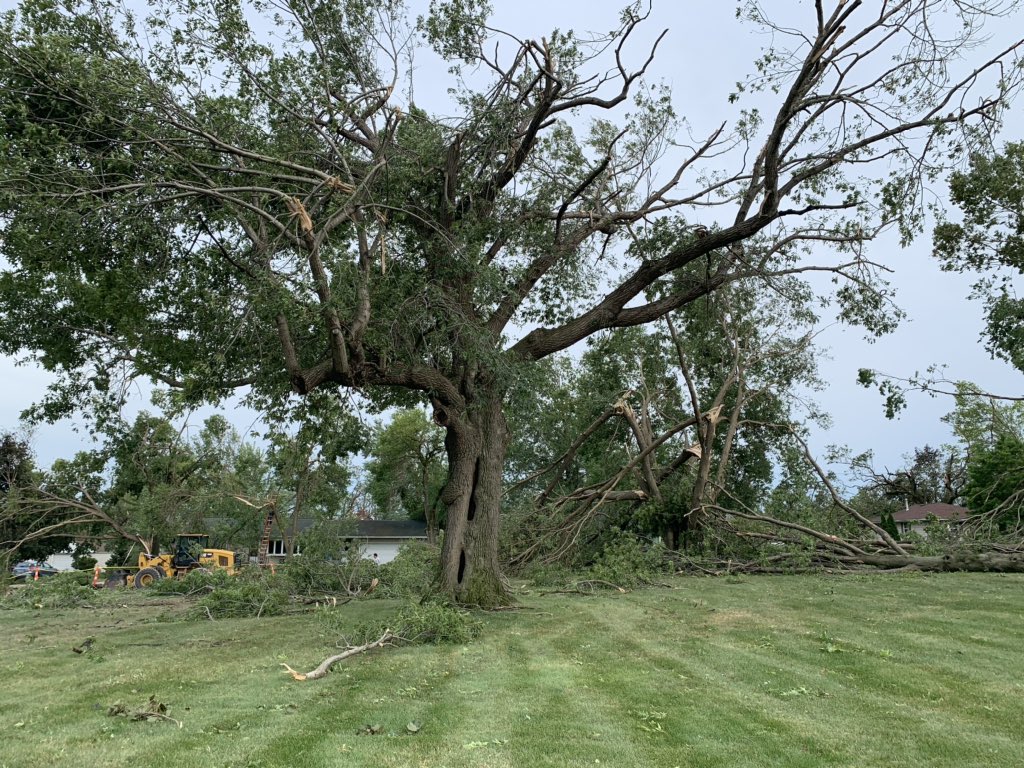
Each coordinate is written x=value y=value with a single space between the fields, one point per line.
x=330 y=661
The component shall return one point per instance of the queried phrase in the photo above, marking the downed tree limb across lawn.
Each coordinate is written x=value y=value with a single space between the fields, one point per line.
x=994 y=562
x=330 y=661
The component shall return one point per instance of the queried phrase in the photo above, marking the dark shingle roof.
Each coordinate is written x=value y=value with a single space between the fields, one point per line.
x=391 y=529
x=370 y=529
x=920 y=512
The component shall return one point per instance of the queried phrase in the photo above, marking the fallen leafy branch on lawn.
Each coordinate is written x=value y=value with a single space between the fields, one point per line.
x=154 y=710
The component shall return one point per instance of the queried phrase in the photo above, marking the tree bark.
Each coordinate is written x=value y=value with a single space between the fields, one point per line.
x=955 y=561
x=475 y=442
x=695 y=520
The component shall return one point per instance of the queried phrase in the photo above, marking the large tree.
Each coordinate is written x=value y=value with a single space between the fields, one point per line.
x=930 y=476
x=234 y=194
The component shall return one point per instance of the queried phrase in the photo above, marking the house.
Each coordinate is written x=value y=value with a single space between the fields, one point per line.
x=377 y=539
x=381 y=539
x=916 y=518
x=64 y=561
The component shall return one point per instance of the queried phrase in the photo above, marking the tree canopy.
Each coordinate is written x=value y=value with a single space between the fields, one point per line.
x=236 y=194
x=990 y=241
x=18 y=474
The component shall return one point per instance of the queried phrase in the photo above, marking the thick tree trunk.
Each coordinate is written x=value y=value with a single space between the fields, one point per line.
x=475 y=443
x=958 y=561
x=695 y=520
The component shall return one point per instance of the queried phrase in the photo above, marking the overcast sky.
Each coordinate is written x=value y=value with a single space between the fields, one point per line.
x=706 y=52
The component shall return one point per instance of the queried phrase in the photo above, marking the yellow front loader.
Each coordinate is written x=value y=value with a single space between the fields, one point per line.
x=190 y=552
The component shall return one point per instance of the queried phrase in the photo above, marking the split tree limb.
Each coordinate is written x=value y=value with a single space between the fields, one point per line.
x=326 y=664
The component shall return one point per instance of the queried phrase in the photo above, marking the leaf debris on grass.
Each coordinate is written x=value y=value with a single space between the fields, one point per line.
x=153 y=710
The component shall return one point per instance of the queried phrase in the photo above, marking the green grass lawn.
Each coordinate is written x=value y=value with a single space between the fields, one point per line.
x=908 y=670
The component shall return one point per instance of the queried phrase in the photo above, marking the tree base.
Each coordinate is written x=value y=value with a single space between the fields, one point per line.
x=483 y=590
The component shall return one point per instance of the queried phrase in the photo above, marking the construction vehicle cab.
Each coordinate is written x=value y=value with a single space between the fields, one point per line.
x=189 y=552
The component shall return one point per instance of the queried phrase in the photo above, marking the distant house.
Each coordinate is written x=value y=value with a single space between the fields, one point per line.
x=380 y=539
x=63 y=561
x=377 y=539
x=915 y=519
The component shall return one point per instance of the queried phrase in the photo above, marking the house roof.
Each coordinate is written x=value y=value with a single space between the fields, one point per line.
x=371 y=529
x=391 y=529
x=921 y=512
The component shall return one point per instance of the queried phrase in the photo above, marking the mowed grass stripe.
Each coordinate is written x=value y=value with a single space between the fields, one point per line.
x=784 y=671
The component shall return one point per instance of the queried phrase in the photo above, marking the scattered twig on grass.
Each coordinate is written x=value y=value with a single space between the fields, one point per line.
x=326 y=600
x=585 y=587
x=326 y=664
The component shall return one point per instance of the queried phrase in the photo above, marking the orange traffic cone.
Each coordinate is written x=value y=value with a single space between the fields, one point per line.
x=96 y=576
x=36 y=578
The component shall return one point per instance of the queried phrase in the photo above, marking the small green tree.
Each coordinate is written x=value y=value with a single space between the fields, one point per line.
x=889 y=524
x=979 y=420
x=406 y=469
x=309 y=466
x=995 y=486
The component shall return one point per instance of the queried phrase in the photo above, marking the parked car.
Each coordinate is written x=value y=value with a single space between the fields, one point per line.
x=26 y=570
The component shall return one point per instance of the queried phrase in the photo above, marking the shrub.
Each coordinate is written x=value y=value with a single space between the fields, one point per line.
x=83 y=561
x=627 y=561
x=431 y=622
x=888 y=524
x=251 y=593
x=60 y=591
x=194 y=582
x=411 y=573
x=310 y=575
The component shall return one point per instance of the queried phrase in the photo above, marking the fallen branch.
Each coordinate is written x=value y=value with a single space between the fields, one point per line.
x=326 y=600
x=326 y=664
x=585 y=587
x=154 y=710
x=85 y=646
x=980 y=562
